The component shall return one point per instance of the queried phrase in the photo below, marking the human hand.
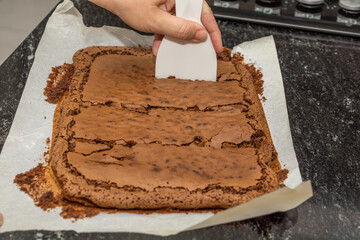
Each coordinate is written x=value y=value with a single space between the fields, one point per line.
x=1 y=220
x=153 y=16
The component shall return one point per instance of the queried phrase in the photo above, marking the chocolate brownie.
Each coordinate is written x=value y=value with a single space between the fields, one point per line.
x=124 y=139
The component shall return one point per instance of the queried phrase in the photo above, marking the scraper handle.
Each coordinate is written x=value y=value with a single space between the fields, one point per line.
x=189 y=9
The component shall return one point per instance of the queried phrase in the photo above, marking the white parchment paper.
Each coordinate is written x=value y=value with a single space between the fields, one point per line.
x=65 y=33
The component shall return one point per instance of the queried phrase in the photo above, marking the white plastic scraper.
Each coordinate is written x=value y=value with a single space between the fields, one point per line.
x=185 y=59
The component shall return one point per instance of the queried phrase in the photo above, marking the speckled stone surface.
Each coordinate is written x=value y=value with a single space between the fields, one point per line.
x=321 y=75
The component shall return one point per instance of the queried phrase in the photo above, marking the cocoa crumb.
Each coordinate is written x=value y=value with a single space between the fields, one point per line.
x=48 y=201
x=35 y=183
x=225 y=55
x=46 y=154
x=237 y=57
x=71 y=210
x=27 y=178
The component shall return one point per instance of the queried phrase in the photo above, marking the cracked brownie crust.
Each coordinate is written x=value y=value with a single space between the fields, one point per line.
x=124 y=139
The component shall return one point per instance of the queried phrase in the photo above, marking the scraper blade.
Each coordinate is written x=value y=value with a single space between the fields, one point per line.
x=184 y=59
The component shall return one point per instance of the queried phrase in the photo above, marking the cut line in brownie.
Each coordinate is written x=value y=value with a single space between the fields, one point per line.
x=124 y=139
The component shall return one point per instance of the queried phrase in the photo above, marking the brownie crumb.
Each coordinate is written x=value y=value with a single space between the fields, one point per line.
x=46 y=154
x=47 y=201
x=29 y=178
x=58 y=83
x=282 y=175
x=34 y=182
x=237 y=57
x=71 y=210
x=225 y=55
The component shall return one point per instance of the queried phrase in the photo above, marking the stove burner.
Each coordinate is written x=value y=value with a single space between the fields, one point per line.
x=311 y=2
x=268 y=9
x=350 y=5
x=268 y=3
x=349 y=14
x=309 y=8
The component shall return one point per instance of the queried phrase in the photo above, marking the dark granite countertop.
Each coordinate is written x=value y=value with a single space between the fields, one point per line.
x=321 y=75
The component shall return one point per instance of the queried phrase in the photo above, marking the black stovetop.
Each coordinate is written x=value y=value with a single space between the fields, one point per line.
x=330 y=16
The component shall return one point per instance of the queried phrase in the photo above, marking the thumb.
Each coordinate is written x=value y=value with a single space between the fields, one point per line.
x=176 y=27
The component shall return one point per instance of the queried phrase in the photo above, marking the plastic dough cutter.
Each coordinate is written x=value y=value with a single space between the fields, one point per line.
x=184 y=59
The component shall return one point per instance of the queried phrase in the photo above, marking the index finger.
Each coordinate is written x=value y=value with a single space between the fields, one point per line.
x=209 y=22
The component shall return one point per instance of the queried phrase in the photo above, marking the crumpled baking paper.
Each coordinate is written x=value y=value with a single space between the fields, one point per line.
x=65 y=33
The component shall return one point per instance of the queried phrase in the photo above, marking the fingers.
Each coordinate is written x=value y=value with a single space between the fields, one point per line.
x=185 y=32
x=166 y=24
x=1 y=220
x=209 y=22
x=156 y=44
x=153 y=17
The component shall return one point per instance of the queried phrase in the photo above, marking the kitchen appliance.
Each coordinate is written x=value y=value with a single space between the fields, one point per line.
x=329 y=16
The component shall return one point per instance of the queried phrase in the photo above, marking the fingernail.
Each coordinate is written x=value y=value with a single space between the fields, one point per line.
x=155 y=50
x=200 y=36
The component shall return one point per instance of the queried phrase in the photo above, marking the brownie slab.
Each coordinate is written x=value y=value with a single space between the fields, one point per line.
x=151 y=168
x=138 y=86
x=124 y=139
x=164 y=126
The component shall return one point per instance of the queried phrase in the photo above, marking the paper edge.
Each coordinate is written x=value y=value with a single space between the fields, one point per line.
x=296 y=196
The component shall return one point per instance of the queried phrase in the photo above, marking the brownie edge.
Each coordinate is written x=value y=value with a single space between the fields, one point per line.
x=124 y=139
